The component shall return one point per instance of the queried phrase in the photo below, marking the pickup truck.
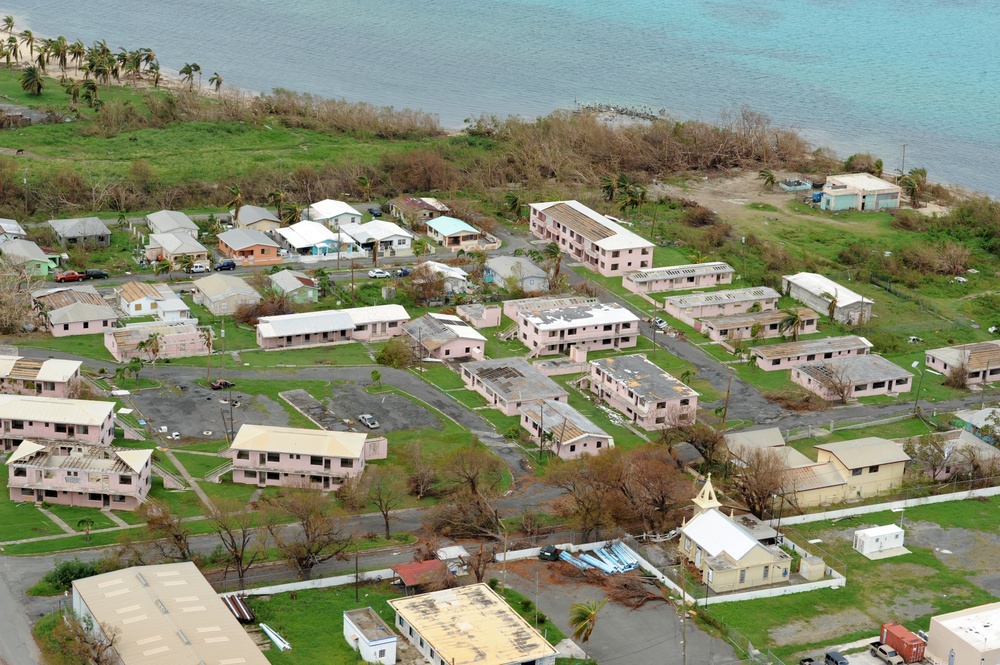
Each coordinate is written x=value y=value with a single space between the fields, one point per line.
x=885 y=653
x=70 y=276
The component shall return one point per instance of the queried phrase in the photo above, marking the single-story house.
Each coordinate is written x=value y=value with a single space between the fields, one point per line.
x=859 y=191
x=222 y=294
x=74 y=311
x=331 y=213
x=11 y=230
x=692 y=306
x=141 y=299
x=479 y=315
x=741 y=326
x=377 y=322
x=445 y=337
x=312 y=238
x=984 y=423
x=773 y=357
x=27 y=254
x=980 y=361
x=509 y=383
x=960 y=451
x=248 y=247
x=642 y=392
x=387 y=238
x=505 y=270
x=452 y=233
x=297 y=286
x=456 y=280
x=417 y=209
x=870 y=466
x=305 y=329
x=562 y=430
x=822 y=293
x=173 y=246
x=256 y=218
x=177 y=339
x=171 y=221
x=678 y=278
x=53 y=377
x=852 y=377
x=85 y=230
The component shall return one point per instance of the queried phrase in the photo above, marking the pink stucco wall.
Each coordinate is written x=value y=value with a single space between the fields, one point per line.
x=11 y=386
x=788 y=362
x=508 y=408
x=661 y=415
x=62 y=488
x=858 y=390
x=379 y=331
x=182 y=345
x=48 y=430
x=283 y=469
x=589 y=444
x=312 y=339
x=609 y=264
x=592 y=338
x=677 y=283
x=82 y=327
x=460 y=348
x=771 y=331
x=689 y=314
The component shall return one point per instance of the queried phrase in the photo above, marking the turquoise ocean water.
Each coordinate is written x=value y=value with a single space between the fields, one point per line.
x=852 y=75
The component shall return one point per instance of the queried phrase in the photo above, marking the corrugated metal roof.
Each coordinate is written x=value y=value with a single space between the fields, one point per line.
x=32 y=369
x=169 y=221
x=376 y=230
x=306 y=323
x=176 y=243
x=812 y=346
x=975 y=357
x=81 y=227
x=818 y=285
x=217 y=284
x=21 y=251
x=132 y=291
x=671 y=272
x=716 y=534
x=514 y=266
x=592 y=225
x=243 y=238
x=306 y=234
x=250 y=214
x=868 y=451
x=764 y=318
x=564 y=422
x=328 y=209
x=751 y=294
x=376 y=314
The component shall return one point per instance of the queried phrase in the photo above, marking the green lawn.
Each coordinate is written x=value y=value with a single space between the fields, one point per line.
x=198 y=465
x=470 y=399
x=89 y=346
x=22 y=520
x=184 y=503
x=440 y=376
x=73 y=514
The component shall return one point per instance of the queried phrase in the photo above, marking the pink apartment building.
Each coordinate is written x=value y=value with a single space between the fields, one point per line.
x=480 y=316
x=591 y=238
x=76 y=474
x=644 y=393
x=592 y=327
x=692 y=306
x=74 y=311
x=178 y=339
x=514 y=309
x=773 y=357
x=980 y=361
x=445 y=337
x=852 y=377
x=47 y=378
x=31 y=417
x=678 y=278
x=567 y=432
x=740 y=326
x=509 y=383
x=305 y=329
x=378 y=322
x=292 y=456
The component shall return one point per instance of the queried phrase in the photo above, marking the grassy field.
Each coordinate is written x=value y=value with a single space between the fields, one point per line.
x=198 y=465
x=898 y=430
x=22 y=520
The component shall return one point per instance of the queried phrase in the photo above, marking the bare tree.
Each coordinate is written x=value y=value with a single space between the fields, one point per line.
x=169 y=536
x=958 y=375
x=586 y=502
x=386 y=489
x=479 y=562
x=240 y=535
x=425 y=284
x=319 y=535
x=474 y=476
x=931 y=453
x=836 y=382
x=422 y=476
x=15 y=297
x=760 y=478
x=79 y=642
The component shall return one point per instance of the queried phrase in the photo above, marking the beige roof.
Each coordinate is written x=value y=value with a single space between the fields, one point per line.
x=869 y=451
x=976 y=356
x=176 y=243
x=167 y=615
x=758 y=438
x=812 y=477
x=84 y=457
x=55 y=410
x=32 y=369
x=132 y=291
x=299 y=441
x=24 y=449
x=217 y=285
x=472 y=624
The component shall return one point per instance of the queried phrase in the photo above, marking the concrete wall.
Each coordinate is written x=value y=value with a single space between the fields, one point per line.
x=677 y=283
x=82 y=327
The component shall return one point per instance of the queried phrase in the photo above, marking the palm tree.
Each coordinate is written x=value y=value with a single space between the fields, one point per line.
x=42 y=59
x=154 y=69
x=120 y=374
x=215 y=80
x=914 y=183
x=28 y=39
x=236 y=202
x=831 y=307
x=31 y=81
x=583 y=618
x=85 y=523
x=59 y=48
x=792 y=320
x=277 y=199
x=553 y=257
x=77 y=51
x=134 y=367
x=631 y=197
x=609 y=187
x=12 y=48
x=513 y=202
x=187 y=74
x=185 y=262
x=209 y=339
x=420 y=247
x=377 y=377
x=696 y=256
x=89 y=92
x=687 y=376
x=767 y=175
x=73 y=90
x=366 y=185
x=8 y=24
x=196 y=69
x=151 y=346
x=878 y=169
x=161 y=267
x=5 y=53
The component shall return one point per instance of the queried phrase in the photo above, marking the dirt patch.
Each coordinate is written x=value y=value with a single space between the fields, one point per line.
x=821 y=628
x=964 y=549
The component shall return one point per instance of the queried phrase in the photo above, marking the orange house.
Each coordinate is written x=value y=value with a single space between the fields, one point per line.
x=248 y=247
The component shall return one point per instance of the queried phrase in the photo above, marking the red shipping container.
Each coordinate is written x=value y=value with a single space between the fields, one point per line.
x=906 y=644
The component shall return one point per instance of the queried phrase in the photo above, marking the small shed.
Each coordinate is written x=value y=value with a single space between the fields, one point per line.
x=878 y=539
x=414 y=576
x=370 y=636
x=456 y=558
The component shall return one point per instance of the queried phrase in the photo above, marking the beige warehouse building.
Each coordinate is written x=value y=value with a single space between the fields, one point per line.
x=966 y=637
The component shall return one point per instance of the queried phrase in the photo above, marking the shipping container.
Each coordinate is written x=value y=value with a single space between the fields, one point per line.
x=906 y=644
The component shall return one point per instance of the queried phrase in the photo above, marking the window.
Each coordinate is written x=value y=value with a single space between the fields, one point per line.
x=600 y=444
x=873 y=469
x=274 y=457
x=243 y=454
x=272 y=475
x=381 y=653
x=615 y=254
x=316 y=461
x=711 y=576
x=687 y=543
x=124 y=480
x=138 y=307
x=614 y=266
x=118 y=498
x=685 y=402
x=878 y=384
x=249 y=474
x=811 y=356
x=776 y=362
x=82 y=429
x=401 y=241
x=856 y=472
x=86 y=324
x=766 y=571
x=346 y=463
x=447 y=352
x=65 y=326
x=61 y=428
x=20 y=473
x=421 y=643
x=743 y=576
x=608 y=327
x=827 y=355
x=572 y=448
x=94 y=497
x=17 y=424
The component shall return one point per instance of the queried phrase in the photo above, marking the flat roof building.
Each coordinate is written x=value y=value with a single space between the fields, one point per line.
x=822 y=293
x=783 y=356
x=594 y=327
x=859 y=191
x=966 y=636
x=690 y=307
x=643 y=392
x=508 y=383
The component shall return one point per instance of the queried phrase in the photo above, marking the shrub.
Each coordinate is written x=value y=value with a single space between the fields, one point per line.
x=65 y=573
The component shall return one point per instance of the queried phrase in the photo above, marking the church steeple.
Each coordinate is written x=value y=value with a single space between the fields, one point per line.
x=706 y=498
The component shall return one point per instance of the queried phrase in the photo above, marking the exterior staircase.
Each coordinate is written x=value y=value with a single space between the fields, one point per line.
x=509 y=333
x=170 y=480
x=215 y=474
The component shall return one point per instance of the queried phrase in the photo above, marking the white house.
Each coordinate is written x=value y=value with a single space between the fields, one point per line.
x=502 y=269
x=821 y=294
x=456 y=280
x=10 y=230
x=309 y=238
x=331 y=213
x=878 y=539
x=370 y=636
x=392 y=239
x=171 y=221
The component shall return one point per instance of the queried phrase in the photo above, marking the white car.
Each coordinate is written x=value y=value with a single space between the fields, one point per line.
x=368 y=420
x=378 y=273
x=660 y=324
x=198 y=268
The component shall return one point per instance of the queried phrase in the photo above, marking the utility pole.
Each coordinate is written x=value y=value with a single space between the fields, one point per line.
x=902 y=168
x=725 y=409
x=356 y=576
x=684 y=625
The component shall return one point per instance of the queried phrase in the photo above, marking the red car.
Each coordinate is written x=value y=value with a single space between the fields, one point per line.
x=70 y=276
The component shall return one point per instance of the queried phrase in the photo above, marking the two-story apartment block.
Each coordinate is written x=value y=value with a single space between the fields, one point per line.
x=296 y=457
x=825 y=295
x=509 y=383
x=870 y=465
x=562 y=430
x=248 y=247
x=979 y=361
x=74 y=311
x=742 y=326
x=644 y=393
x=33 y=417
x=679 y=278
x=79 y=474
x=516 y=309
x=593 y=327
x=692 y=306
x=601 y=244
x=848 y=378
x=177 y=339
x=31 y=376
x=445 y=337
x=773 y=357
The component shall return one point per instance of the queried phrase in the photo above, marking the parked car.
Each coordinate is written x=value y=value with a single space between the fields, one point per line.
x=378 y=273
x=70 y=276
x=94 y=273
x=226 y=264
x=375 y=212
x=222 y=384
x=403 y=272
x=548 y=553
x=835 y=658
x=198 y=269
x=885 y=653
x=660 y=324
x=368 y=420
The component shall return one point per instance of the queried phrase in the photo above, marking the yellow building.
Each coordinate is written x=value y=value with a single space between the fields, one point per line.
x=728 y=554
x=871 y=465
